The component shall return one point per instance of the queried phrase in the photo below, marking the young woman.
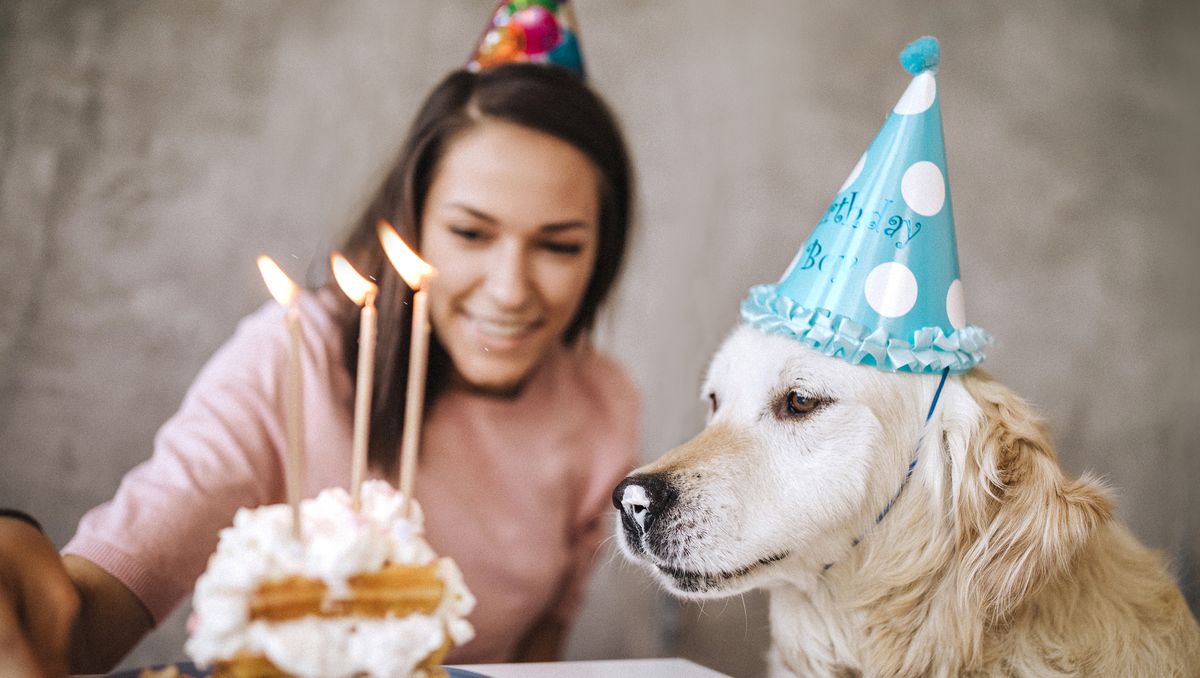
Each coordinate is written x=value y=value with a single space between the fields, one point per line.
x=516 y=185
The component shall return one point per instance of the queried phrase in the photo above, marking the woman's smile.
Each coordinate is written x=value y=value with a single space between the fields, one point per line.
x=499 y=333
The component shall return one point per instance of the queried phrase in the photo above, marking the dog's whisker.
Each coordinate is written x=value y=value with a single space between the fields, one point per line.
x=745 y=618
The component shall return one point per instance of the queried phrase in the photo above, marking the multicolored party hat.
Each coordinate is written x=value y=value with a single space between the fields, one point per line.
x=540 y=31
x=877 y=281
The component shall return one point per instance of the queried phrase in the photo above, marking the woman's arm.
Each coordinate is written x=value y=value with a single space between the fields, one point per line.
x=218 y=452
x=111 y=619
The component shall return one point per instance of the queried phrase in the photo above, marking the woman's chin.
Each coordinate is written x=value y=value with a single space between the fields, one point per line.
x=493 y=376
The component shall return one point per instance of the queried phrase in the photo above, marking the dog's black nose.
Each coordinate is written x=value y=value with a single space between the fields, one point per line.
x=641 y=499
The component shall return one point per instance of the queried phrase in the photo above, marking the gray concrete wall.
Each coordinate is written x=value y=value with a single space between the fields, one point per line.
x=149 y=149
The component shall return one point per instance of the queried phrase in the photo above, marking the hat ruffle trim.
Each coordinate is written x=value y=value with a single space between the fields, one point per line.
x=930 y=351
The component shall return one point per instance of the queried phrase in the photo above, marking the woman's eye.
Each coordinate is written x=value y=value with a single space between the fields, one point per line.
x=563 y=247
x=797 y=405
x=467 y=233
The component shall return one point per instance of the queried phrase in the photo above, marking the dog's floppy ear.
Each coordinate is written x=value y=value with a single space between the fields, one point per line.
x=1020 y=519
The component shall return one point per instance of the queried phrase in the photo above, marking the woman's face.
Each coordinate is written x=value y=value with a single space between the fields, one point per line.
x=511 y=223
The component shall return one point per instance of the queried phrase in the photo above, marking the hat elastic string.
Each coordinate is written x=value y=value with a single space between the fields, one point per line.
x=911 y=465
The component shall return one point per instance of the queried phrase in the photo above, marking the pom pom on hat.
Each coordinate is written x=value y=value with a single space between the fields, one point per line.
x=921 y=54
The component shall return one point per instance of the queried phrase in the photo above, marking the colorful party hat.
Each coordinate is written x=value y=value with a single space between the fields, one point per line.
x=877 y=281
x=539 y=31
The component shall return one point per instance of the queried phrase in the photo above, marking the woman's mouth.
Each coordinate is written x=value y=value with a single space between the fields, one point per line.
x=501 y=334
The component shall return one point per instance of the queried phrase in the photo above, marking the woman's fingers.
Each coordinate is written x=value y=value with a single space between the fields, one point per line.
x=16 y=658
x=51 y=615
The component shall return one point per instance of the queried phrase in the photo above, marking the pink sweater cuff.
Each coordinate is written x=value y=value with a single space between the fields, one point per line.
x=152 y=589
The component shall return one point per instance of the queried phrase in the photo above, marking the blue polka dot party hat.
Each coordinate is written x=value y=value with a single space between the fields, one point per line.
x=539 y=31
x=877 y=281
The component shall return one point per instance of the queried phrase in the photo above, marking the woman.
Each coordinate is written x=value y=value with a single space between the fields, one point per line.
x=515 y=184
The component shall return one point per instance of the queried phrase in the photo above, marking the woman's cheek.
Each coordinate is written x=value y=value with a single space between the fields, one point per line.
x=572 y=276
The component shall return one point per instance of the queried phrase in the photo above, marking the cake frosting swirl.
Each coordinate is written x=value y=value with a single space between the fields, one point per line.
x=338 y=547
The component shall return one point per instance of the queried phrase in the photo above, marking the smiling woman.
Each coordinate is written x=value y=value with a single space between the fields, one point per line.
x=514 y=183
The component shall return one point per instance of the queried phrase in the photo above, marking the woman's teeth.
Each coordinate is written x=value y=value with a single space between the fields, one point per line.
x=503 y=329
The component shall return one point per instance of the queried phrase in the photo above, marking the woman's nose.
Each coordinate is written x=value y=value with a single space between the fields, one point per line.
x=508 y=278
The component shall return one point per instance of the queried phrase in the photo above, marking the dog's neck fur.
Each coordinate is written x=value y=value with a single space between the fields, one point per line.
x=967 y=596
x=876 y=607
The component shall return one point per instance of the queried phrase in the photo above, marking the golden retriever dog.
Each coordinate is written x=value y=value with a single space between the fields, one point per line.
x=988 y=561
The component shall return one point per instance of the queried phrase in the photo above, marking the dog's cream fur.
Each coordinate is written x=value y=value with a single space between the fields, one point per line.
x=992 y=562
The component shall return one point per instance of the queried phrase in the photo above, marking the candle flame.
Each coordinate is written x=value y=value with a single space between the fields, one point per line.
x=411 y=267
x=357 y=287
x=278 y=282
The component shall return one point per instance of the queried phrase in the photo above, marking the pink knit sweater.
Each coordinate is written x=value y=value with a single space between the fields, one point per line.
x=515 y=490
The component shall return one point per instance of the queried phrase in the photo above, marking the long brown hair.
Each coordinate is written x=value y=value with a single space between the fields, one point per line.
x=542 y=98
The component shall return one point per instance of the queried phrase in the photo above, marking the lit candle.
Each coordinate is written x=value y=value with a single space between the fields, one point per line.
x=361 y=291
x=416 y=273
x=285 y=292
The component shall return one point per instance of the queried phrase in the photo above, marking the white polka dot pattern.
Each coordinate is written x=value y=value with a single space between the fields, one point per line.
x=956 y=307
x=891 y=289
x=919 y=96
x=923 y=188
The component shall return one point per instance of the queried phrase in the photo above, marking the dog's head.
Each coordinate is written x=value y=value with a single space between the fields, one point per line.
x=801 y=454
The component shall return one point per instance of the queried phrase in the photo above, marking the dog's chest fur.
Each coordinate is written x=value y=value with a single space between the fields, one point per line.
x=1117 y=614
x=810 y=635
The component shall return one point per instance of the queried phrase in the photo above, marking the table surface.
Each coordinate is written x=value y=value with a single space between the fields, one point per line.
x=607 y=668
x=610 y=668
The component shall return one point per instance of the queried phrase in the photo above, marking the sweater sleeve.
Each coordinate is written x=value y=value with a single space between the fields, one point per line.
x=220 y=451
x=619 y=403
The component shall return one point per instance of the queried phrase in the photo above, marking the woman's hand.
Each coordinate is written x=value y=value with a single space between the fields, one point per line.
x=60 y=613
x=38 y=604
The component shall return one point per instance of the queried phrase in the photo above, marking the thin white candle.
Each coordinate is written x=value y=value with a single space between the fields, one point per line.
x=295 y=419
x=361 y=291
x=416 y=273
x=418 y=358
x=285 y=292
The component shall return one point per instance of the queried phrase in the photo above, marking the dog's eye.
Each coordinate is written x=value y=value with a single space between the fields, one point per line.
x=712 y=402
x=797 y=405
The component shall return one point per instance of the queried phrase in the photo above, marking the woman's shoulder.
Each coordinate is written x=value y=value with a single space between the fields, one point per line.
x=258 y=346
x=318 y=321
x=318 y=312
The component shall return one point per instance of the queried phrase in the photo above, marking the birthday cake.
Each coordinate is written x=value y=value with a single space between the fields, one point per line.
x=359 y=593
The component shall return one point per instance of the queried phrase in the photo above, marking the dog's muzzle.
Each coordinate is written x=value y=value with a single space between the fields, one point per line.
x=642 y=499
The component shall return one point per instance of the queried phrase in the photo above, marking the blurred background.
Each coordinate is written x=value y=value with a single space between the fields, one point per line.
x=150 y=149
